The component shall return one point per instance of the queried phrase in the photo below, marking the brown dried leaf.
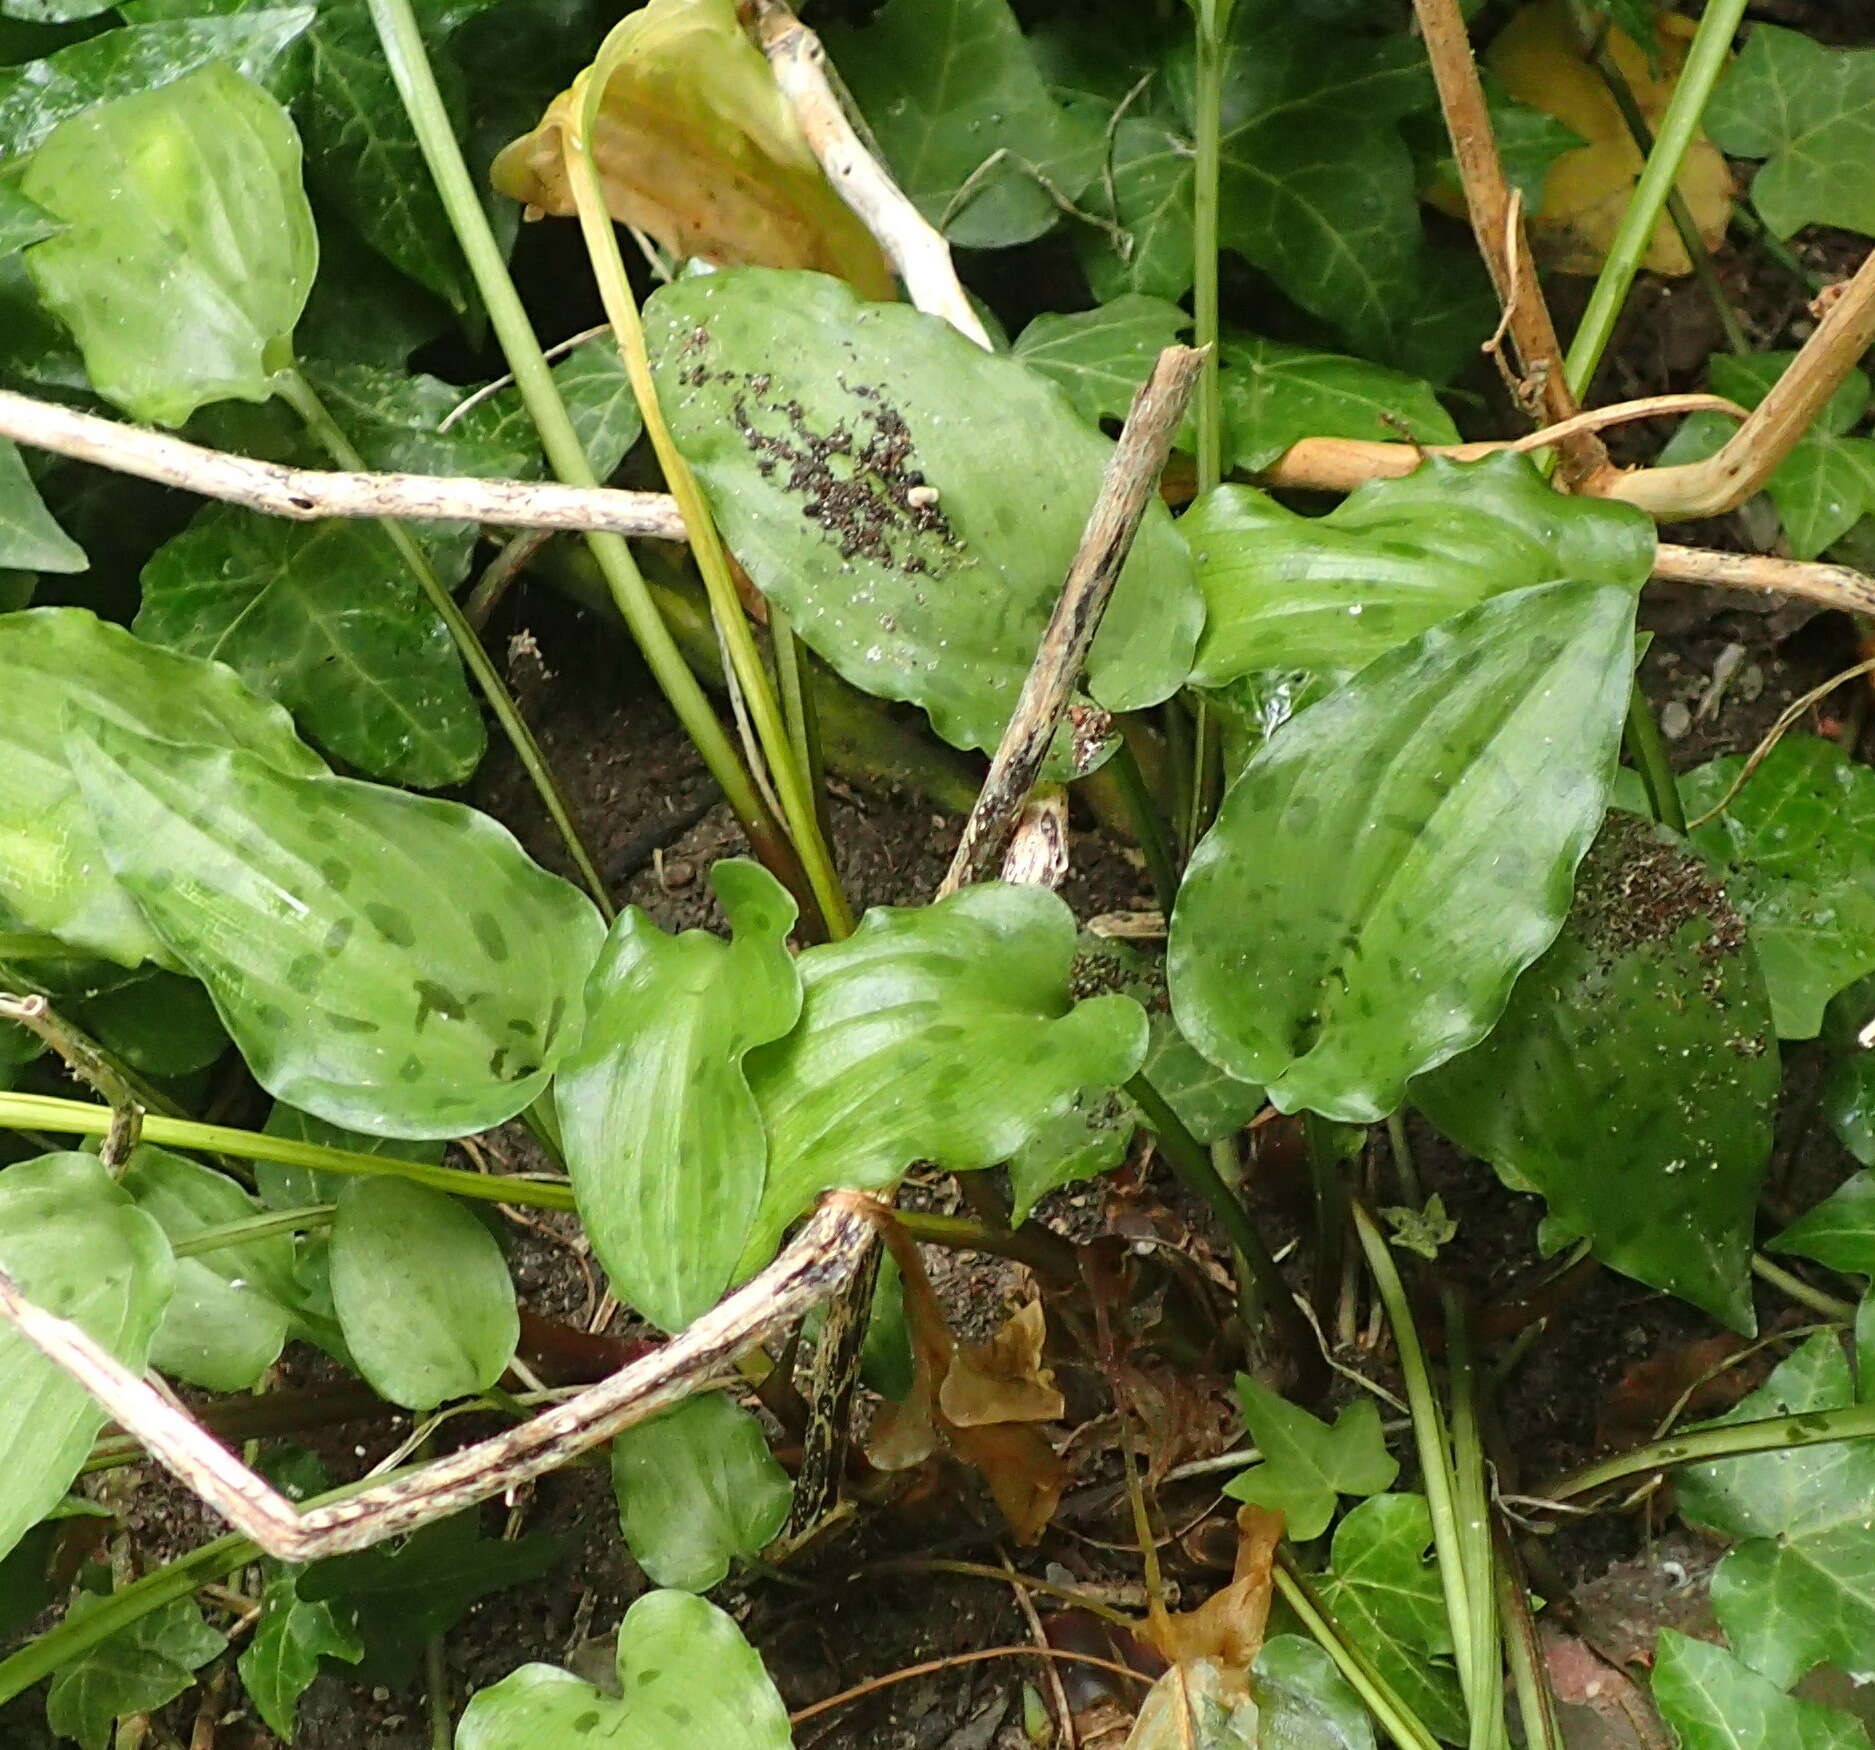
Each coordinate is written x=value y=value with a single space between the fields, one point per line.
x=1003 y=1380
x=1227 y=1629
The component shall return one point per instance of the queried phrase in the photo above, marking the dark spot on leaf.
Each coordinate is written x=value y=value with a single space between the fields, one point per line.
x=488 y=932
x=391 y=923
x=586 y=1721
x=303 y=970
x=437 y=999
x=347 y=1023
x=339 y=934
x=411 y=1069
x=338 y=875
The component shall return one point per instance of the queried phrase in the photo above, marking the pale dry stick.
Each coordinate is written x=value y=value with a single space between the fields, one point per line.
x=1038 y=848
x=809 y=1270
x=1130 y=480
x=1834 y=586
x=916 y=250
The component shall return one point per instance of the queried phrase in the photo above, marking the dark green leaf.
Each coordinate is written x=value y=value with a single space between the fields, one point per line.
x=161 y=1024
x=283 y=1187
x=1810 y=111
x=1797 y=846
x=77 y=1246
x=599 y=400
x=944 y=1033
x=663 y=1139
x=907 y=546
x=1529 y=140
x=697 y=1488
x=384 y=961
x=134 y=1671
x=1795 y=1591
x=1633 y=1078
x=1307 y=1464
x=290 y=1639
x=1306 y=1702
x=422 y=1292
x=1849 y=1104
x=1713 y=1700
x=1839 y=1231
x=1393 y=857
x=362 y=310
x=1152 y=182
x=29 y=539
x=182 y=274
x=687 y=1679
x=1101 y=357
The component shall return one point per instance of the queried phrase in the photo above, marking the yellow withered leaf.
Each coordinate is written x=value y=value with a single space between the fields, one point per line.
x=697 y=147
x=1538 y=58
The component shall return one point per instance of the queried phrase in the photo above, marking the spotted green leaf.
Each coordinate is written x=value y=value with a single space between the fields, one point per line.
x=79 y=1247
x=1394 y=856
x=1713 y=1700
x=422 y=1292
x=663 y=1139
x=918 y=551
x=182 y=273
x=282 y=1659
x=1634 y=1076
x=698 y=1488
x=29 y=539
x=1332 y=592
x=1307 y=1465
x=148 y=1662
x=54 y=877
x=384 y=961
x=945 y=1033
x=686 y=1677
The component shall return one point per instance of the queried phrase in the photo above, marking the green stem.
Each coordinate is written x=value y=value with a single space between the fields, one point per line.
x=1486 y=1688
x=292 y=387
x=1838 y=1312
x=409 y=63
x=797 y=708
x=1208 y=100
x=256 y=1227
x=79 y=1118
x=1403 y=1163
x=1649 y=750
x=1155 y=841
x=1705 y=60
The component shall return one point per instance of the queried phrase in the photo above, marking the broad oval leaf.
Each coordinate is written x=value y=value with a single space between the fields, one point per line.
x=946 y=1033
x=54 y=877
x=1394 y=856
x=697 y=1488
x=918 y=550
x=78 y=1247
x=1633 y=1078
x=422 y=1291
x=181 y=272
x=663 y=1140
x=687 y=1678
x=1394 y=557
x=384 y=961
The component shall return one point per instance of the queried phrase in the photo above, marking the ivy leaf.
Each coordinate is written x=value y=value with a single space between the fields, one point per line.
x=1383 y=1588
x=1394 y=856
x=1101 y=357
x=920 y=560
x=1713 y=1700
x=663 y=1140
x=290 y=1639
x=697 y=1488
x=1797 y=845
x=1150 y=166
x=402 y=1597
x=1838 y=1232
x=297 y=902
x=1633 y=1078
x=1307 y=1464
x=685 y=1677
x=1794 y=1592
x=1394 y=558
x=1809 y=110
x=599 y=400
x=182 y=274
x=1529 y=141
x=1826 y=484
x=77 y=1246
x=29 y=539
x=136 y=1670
x=422 y=1293
x=945 y=86
x=945 y=1033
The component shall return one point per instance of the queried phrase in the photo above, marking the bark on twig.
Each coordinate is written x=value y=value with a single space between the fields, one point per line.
x=1835 y=586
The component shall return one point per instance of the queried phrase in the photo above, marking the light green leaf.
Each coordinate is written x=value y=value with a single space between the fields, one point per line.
x=1275 y=394
x=230 y=1314
x=182 y=274
x=697 y=1488
x=136 y=1670
x=918 y=552
x=29 y=539
x=422 y=1292
x=663 y=1140
x=1152 y=182
x=1713 y=1700
x=1306 y=1463
x=1797 y=850
x=946 y=85
x=1101 y=357
x=1634 y=1076
x=945 y=1033
x=1839 y=1231
x=1810 y=111
x=51 y=11
x=77 y=1246
x=687 y=1678
x=384 y=961
x=1393 y=558
x=1384 y=1590
x=1799 y=1589
x=1393 y=857
x=1306 y=1702
x=138 y=58
x=290 y=1639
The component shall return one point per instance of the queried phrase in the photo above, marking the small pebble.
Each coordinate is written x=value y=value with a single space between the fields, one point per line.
x=1675 y=719
x=678 y=873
